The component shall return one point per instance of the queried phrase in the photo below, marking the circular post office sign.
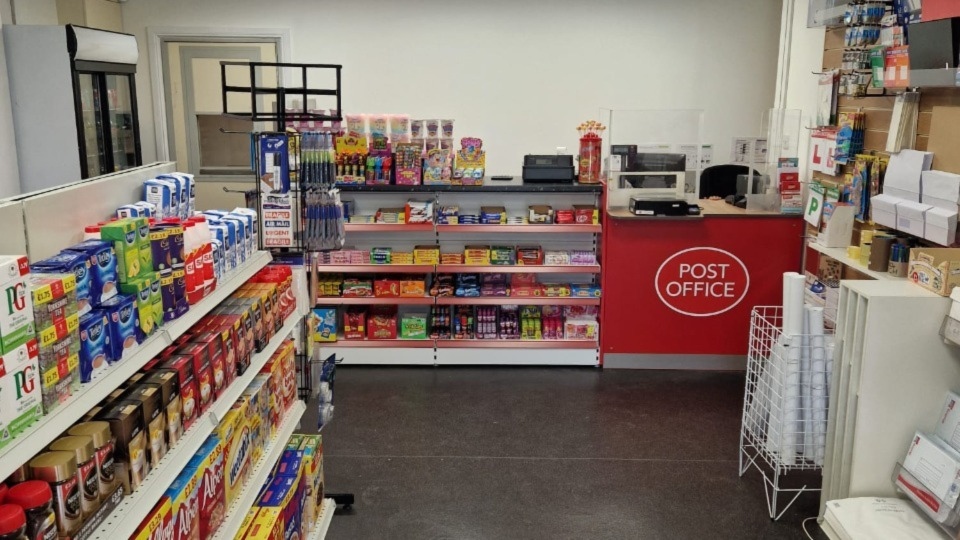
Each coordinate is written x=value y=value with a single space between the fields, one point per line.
x=702 y=281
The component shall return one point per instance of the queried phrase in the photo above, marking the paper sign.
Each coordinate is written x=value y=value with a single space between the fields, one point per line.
x=814 y=206
x=277 y=212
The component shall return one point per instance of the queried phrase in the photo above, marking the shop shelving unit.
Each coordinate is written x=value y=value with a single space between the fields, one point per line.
x=453 y=237
x=51 y=426
x=128 y=515
x=840 y=254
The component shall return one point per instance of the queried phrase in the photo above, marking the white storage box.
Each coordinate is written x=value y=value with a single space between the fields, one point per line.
x=940 y=189
x=905 y=169
x=940 y=225
x=902 y=194
x=883 y=210
x=911 y=216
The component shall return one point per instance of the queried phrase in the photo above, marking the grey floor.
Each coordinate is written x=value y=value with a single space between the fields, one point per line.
x=491 y=453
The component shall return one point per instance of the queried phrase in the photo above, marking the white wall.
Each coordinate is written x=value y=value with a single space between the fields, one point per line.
x=520 y=75
x=804 y=56
x=29 y=11
x=9 y=171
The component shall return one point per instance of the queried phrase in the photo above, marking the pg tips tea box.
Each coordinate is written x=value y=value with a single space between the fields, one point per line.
x=20 y=397
x=16 y=314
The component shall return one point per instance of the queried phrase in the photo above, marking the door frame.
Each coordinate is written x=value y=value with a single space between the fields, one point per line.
x=157 y=37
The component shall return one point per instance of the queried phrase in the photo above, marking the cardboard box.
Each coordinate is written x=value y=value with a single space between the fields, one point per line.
x=166 y=380
x=935 y=269
x=234 y=432
x=209 y=466
x=312 y=448
x=247 y=522
x=189 y=392
x=267 y=525
x=123 y=235
x=124 y=324
x=910 y=217
x=140 y=290
x=214 y=345
x=20 y=391
x=940 y=225
x=202 y=371
x=476 y=255
x=281 y=493
x=158 y=524
x=325 y=329
x=184 y=496
x=16 y=317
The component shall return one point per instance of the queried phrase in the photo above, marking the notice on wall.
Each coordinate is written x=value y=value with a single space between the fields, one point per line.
x=750 y=150
x=277 y=213
x=690 y=150
x=702 y=281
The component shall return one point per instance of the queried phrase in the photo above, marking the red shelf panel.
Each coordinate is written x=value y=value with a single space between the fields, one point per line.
x=517 y=269
x=516 y=344
x=373 y=301
x=517 y=300
x=388 y=227
x=539 y=229
x=381 y=343
x=377 y=268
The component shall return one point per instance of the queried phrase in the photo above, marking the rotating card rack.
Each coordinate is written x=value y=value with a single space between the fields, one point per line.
x=267 y=82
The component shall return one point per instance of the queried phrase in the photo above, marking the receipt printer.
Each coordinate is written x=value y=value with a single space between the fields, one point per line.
x=663 y=207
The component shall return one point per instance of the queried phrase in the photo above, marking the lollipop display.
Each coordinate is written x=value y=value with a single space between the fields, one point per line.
x=591 y=139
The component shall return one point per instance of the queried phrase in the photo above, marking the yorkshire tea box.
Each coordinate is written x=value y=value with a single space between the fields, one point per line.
x=20 y=398
x=16 y=313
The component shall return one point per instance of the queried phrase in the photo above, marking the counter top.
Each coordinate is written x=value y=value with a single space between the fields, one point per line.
x=486 y=188
x=709 y=208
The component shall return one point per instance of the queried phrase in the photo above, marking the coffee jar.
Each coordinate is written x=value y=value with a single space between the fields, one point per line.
x=59 y=469
x=13 y=522
x=103 y=449
x=82 y=448
x=36 y=499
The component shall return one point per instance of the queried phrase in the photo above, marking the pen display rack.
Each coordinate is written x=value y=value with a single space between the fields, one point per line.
x=785 y=407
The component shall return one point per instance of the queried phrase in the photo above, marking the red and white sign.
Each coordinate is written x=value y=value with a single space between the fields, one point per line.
x=702 y=281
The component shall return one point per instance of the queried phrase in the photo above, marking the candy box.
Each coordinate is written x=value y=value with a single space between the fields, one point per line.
x=139 y=289
x=382 y=323
x=325 y=328
x=16 y=317
x=493 y=215
x=94 y=345
x=122 y=316
x=529 y=255
x=355 y=288
x=413 y=326
x=210 y=466
x=123 y=235
x=559 y=290
x=503 y=255
x=540 y=213
x=354 y=324
x=189 y=393
x=580 y=329
x=158 y=525
x=585 y=290
x=77 y=264
x=413 y=288
x=184 y=495
x=476 y=255
x=426 y=255
x=585 y=214
x=267 y=525
x=20 y=395
x=386 y=288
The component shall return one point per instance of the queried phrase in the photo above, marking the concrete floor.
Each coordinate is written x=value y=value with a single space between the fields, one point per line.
x=493 y=453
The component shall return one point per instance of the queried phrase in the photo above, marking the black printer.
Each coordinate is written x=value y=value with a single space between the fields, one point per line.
x=548 y=169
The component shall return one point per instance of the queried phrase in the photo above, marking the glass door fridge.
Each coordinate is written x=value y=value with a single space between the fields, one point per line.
x=107 y=124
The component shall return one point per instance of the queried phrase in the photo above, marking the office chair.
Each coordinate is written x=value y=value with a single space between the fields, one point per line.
x=721 y=180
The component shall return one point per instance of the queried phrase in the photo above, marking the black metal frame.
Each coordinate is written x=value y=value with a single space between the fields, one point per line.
x=281 y=116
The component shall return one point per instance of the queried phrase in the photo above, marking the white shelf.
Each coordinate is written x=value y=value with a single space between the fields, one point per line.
x=246 y=499
x=840 y=254
x=127 y=517
x=323 y=522
x=44 y=431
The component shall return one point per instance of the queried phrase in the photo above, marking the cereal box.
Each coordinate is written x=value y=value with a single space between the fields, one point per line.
x=210 y=469
x=157 y=525
x=267 y=525
x=184 y=495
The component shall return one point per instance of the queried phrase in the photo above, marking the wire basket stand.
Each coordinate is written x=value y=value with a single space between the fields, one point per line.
x=785 y=406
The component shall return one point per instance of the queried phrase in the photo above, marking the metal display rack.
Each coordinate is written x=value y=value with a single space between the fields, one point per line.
x=785 y=410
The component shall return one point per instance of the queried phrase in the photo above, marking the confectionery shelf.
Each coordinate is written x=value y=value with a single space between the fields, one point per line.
x=377 y=268
x=517 y=344
x=388 y=227
x=471 y=229
x=517 y=300
x=128 y=516
x=374 y=301
x=517 y=269
x=261 y=470
x=51 y=426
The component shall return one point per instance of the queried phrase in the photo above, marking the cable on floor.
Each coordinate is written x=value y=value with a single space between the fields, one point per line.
x=803 y=525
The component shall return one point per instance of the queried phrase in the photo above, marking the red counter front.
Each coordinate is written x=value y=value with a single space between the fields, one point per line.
x=678 y=292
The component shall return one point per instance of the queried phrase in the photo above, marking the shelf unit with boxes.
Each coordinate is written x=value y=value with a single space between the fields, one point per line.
x=444 y=235
x=195 y=332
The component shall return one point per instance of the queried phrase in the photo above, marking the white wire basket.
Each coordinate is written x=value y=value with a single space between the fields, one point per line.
x=786 y=402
